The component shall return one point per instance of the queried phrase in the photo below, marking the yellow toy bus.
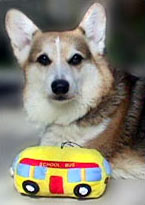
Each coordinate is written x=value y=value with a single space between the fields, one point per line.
x=67 y=172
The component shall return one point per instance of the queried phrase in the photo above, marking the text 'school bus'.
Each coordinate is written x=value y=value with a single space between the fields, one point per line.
x=52 y=171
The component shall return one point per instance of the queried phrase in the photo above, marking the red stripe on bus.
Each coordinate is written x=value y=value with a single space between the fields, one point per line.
x=56 y=164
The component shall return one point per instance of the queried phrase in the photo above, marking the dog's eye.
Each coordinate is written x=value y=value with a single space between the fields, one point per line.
x=44 y=60
x=76 y=59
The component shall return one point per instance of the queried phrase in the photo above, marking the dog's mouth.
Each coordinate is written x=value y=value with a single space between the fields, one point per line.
x=62 y=98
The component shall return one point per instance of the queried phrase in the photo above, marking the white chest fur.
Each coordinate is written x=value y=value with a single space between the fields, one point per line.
x=57 y=134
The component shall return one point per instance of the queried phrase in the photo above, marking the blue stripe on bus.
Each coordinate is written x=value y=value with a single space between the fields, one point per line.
x=107 y=167
x=40 y=172
x=15 y=162
x=93 y=174
x=74 y=175
x=23 y=170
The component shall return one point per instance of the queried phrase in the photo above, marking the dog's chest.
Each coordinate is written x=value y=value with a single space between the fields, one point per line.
x=57 y=134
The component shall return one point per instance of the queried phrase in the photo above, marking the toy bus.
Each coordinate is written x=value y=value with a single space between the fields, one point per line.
x=67 y=172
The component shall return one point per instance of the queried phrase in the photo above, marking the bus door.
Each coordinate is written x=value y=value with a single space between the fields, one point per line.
x=56 y=185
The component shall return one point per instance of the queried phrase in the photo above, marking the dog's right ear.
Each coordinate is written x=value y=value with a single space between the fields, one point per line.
x=21 y=31
x=94 y=28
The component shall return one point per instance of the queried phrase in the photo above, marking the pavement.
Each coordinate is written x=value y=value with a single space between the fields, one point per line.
x=16 y=133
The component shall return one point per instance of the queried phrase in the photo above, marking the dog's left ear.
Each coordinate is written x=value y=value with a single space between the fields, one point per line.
x=94 y=27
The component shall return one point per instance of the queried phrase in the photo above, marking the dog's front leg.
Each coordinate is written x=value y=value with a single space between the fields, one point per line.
x=128 y=165
x=50 y=137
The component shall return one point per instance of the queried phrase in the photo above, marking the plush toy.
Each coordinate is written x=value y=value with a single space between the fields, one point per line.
x=64 y=172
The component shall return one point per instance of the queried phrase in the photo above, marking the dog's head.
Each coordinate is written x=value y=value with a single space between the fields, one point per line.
x=64 y=71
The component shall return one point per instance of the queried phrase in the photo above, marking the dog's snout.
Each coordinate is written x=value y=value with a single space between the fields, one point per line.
x=60 y=87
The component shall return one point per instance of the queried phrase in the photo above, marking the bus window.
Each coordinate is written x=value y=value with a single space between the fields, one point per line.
x=23 y=170
x=93 y=174
x=74 y=175
x=40 y=172
x=107 y=167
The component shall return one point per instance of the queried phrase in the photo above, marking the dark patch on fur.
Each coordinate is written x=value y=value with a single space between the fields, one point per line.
x=133 y=117
x=139 y=135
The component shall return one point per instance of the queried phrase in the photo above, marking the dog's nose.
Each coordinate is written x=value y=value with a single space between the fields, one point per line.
x=60 y=87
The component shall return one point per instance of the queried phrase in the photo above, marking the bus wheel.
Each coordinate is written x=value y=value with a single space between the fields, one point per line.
x=82 y=190
x=106 y=180
x=30 y=187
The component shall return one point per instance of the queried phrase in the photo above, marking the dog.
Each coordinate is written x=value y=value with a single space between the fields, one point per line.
x=74 y=93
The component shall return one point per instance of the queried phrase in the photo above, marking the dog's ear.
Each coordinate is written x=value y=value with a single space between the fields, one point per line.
x=21 y=31
x=94 y=27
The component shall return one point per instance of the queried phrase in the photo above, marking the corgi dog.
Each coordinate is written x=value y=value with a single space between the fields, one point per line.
x=73 y=92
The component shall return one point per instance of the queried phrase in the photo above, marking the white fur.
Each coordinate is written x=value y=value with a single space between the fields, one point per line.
x=56 y=134
x=58 y=57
